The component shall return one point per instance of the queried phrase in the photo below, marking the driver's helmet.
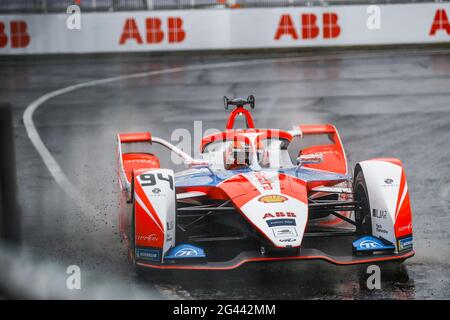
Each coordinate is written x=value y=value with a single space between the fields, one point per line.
x=237 y=155
x=263 y=154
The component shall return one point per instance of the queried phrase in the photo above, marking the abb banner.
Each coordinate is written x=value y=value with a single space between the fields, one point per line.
x=227 y=29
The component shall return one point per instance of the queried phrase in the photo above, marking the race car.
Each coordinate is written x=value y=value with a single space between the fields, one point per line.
x=258 y=195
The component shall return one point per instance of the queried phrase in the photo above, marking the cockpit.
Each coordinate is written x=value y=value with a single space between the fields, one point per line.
x=257 y=150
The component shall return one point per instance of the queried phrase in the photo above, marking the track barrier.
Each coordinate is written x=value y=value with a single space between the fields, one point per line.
x=212 y=29
x=9 y=211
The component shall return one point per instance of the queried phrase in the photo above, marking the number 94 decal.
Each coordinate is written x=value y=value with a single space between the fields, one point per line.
x=151 y=179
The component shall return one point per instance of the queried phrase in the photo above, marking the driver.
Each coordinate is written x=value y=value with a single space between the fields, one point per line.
x=263 y=155
x=237 y=155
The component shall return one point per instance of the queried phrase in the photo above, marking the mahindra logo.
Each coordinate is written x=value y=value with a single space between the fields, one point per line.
x=139 y=161
x=151 y=237
x=156 y=190
x=408 y=227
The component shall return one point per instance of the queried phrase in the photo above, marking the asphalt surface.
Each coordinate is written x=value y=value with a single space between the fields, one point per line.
x=392 y=103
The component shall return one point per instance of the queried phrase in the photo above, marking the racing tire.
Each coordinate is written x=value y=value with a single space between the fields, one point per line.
x=138 y=270
x=363 y=219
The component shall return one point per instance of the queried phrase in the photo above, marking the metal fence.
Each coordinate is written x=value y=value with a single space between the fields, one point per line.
x=53 y=6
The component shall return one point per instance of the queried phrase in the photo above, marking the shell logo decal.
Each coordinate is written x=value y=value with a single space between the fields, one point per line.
x=272 y=198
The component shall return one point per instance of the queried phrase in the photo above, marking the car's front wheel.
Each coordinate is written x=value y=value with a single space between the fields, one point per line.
x=362 y=216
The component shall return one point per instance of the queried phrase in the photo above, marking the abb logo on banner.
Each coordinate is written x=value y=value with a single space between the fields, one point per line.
x=154 y=32
x=18 y=35
x=440 y=22
x=309 y=27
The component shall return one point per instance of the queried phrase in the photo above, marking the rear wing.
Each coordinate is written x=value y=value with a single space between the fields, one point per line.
x=136 y=161
x=134 y=137
x=129 y=161
x=310 y=129
x=334 y=158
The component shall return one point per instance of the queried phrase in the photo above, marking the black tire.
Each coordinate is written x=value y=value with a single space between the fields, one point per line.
x=141 y=272
x=132 y=237
x=362 y=217
x=132 y=248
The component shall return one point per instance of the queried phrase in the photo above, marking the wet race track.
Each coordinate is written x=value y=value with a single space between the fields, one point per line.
x=384 y=103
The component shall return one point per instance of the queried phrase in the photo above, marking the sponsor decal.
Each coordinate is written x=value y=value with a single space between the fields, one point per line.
x=146 y=161
x=288 y=240
x=380 y=228
x=156 y=190
x=405 y=243
x=369 y=243
x=389 y=182
x=148 y=254
x=185 y=251
x=310 y=26
x=380 y=214
x=151 y=237
x=18 y=36
x=154 y=32
x=281 y=222
x=272 y=198
x=265 y=183
x=440 y=23
x=279 y=215
x=408 y=227
x=281 y=232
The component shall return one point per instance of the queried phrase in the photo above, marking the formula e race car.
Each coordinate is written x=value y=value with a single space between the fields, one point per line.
x=251 y=197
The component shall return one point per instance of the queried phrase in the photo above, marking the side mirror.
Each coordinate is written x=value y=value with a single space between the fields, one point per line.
x=313 y=158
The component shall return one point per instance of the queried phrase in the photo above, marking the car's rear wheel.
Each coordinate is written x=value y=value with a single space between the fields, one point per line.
x=362 y=216
x=132 y=237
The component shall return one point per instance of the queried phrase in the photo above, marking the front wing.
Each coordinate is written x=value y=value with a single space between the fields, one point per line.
x=255 y=256
x=336 y=250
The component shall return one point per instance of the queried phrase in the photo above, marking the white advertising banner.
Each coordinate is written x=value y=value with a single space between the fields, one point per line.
x=225 y=29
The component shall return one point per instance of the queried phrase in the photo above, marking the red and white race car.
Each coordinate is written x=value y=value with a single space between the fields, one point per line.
x=253 y=197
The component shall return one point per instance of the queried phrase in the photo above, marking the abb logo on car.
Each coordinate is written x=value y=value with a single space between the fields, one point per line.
x=18 y=36
x=309 y=26
x=155 y=32
x=279 y=215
